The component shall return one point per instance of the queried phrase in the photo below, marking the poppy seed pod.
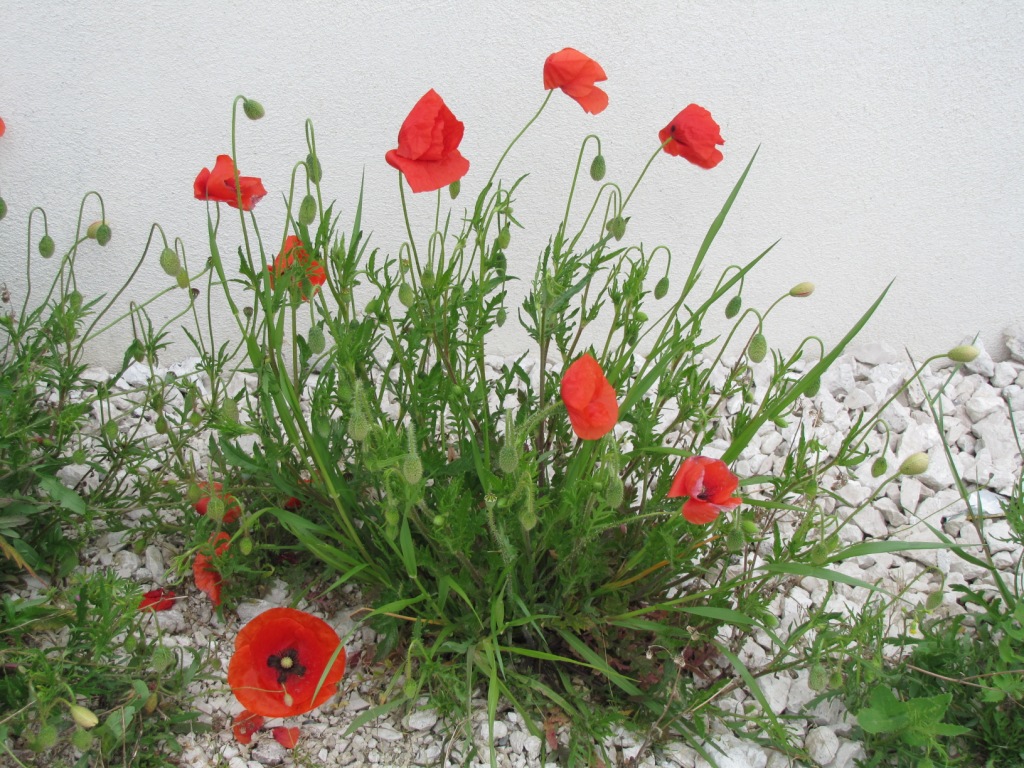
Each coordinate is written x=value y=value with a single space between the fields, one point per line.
x=46 y=246
x=914 y=464
x=169 y=262
x=598 y=167
x=307 y=210
x=253 y=109
x=801 y=290
x=964 y=353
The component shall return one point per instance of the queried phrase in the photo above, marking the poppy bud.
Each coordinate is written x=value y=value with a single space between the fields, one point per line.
x=454 y=188
x=169 y=262
x=372 y=306
x=75 y=300
x=528 y=518
x=617 y=227
x=817 y=680
x=110 y=430
x=151 y=703
x=412 y=469
x=508 y=456
x=215 y=508
x=641 y=317
x=501 y=316
x=965 y=353
x=358 y=427
x=504 y=237
x=878 y=466
x=614 y=491
x=93 y=228
x=770 y=620
x=835 y=680
x=46 y=246
x=733 y=307
x=661 y=289
x=182 y=279
x=253 y=109
x=103 y=234
x=82 y=740
x=933 y=601
x=750 y=527
x=758 y=348
x=914 y=464
x=313 y=169
x=160 y=425
x=307 y=210
x=406 y=295
x=735 y=540
x=316 y=340
x=3 y=208
x=391 y=516
x=44 y=739
x=427 y=278
x=814 y=387
x=802 y=290
x=499 y=262
x=598 y=168
x=83 y=716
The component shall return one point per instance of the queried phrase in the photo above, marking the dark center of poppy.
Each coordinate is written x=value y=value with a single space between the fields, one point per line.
x=286 y=664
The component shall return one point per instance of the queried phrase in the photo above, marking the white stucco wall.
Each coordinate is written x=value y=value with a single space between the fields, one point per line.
x=890 y=133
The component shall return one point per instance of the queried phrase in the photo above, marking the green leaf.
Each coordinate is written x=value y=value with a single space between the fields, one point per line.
x=799 y=569
x=64 y=496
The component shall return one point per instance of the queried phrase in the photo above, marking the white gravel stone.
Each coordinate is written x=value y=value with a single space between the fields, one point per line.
x=821 y=744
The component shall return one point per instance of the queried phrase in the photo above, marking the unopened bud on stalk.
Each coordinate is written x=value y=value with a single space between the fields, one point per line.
x=182 y=279
x=169 y=262
x=82 y=740
x=99 y=231
x=735 y=540
x=46 y=246
x=801 y=290
x=879 y=466
x=454 y=188
x=3 y=208
x=964 y=353
x=307 y=210
x=818 y=679
x=661 y=289
x=814 y=387
x=253 y=109
x=45 y=739
x=83 y=716
x=614 y=491
x=504 y=237
x=914 y=464
x=406 y=295
x=733 y=307
x=412 y=467
x=316 y=340
x=598 y=167
x=501 y=317
x=758 y=348
x=229 y=409
x=215 y=508
x=313 y=169
x=750 y=527
x=617 y=227
x=508 y=456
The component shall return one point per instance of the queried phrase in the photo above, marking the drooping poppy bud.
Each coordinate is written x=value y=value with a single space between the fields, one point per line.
x=802 y=290
x=253 y=109
x=661 y=289
x=316 y=340
x=307 y=210
x=915 y=464
x=169 y=262
x=3 y=208
x=314 y=169
x=46 y=246
x=454 y=188
x=406 y=295
x=83 y=716
x=733 y=307
x=964 y=353
x=182 y=279
x=758 y=348
x=879 y=466
x=598 y=168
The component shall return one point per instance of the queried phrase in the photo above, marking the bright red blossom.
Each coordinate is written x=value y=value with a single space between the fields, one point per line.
x=692 y=135
x=294 y=253
x=589 y=399
x=231 y=508
x=287 y=737
x=157 y=600
x=218 y=185
x=575 y=73
x=428 y=146
x=245 y=725
x=3 y=127
x=709 y=485
x=279 y=659
x=208 y=578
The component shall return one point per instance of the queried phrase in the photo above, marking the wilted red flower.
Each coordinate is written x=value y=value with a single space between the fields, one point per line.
x=287 y=737
x=208 y=578
x=693 y=134
x=293 y=253
x=246 y=723
x=219 y=185
x=279 y=659
x=157 y=600
x=231 y=508
x=575 y=73
x=428 y=146
x=589 y=398
x=709 y=485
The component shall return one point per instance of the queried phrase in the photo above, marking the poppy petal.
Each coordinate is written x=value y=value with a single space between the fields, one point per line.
x=287 y=737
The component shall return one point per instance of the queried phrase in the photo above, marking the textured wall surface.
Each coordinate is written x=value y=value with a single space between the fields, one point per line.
x=890 y=135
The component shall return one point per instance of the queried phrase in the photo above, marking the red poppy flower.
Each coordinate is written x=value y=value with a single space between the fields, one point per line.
x=287 y=737
x=219 y=185
x=157 y=600
x=246 y=724
x=709 y=485
x=208 y=578
x=693 y=134
x=279 y=659
x=589 y=399
x=575 y=73
x=428 y=146
x=231 y=508
x=3 y=127
x=293 y=253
